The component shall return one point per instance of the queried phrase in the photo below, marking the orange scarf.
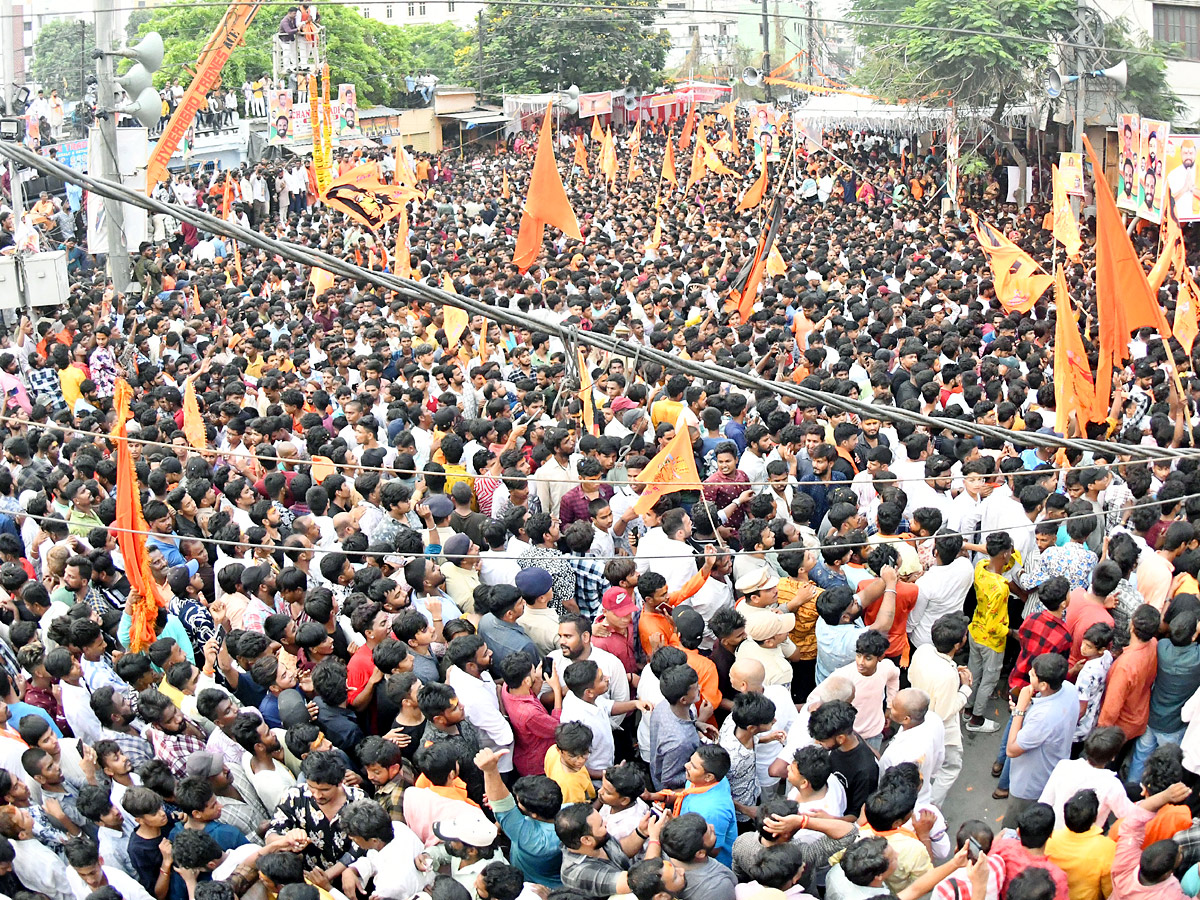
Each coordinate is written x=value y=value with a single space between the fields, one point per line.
x=688 y=791
x=455 y=790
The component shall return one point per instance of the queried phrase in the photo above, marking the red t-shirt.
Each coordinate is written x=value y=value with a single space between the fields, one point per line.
x=906 y=599
x=359 y=672
x=1082 y=614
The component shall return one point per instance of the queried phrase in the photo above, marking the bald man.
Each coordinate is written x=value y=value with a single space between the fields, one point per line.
x=747 y=677
x=920 y=738
x=835 y=687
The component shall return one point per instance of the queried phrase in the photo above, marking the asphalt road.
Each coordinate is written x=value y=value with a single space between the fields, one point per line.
x=971 y=796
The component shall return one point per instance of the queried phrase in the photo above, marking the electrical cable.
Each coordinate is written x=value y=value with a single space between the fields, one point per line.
x=426 y=293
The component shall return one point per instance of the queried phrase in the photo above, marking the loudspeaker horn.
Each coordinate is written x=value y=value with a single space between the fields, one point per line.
x=571 y=106
x=631 y=103
x=136 y=80
x=752 y=76
x=1118 y=74
x=147 y=108
x=148 y=51
x=573 y=91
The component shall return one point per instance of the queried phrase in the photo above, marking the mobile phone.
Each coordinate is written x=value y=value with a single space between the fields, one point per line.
x=656 y=812
x=973 y=849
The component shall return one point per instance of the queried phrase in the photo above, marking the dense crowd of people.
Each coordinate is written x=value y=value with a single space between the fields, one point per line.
x=418 y=637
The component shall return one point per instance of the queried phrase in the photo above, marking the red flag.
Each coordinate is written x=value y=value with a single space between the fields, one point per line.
x=546 y=203
x=1123 y=297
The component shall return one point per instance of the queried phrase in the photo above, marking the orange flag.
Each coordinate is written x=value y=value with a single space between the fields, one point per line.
x=404 y=172
x=1066 y=228
x=728 y=110
x=196 y=307
x=454 y=320
x=1186 y=325
x=227 y=197
x=685 y=137
x=748 y=293
x=608 y=157
x=585 y=394
x=505 y=193
x=403 y=257
x=754 y=194
x=712 y=162
x=1124 y=300
x=597 y=131
x=129 y=519
x=1073 y=385
x=361 y=195
x=483 y=344
x=237 y=262
x=668 y=169
x=581 y=157
x=193 y=425
x=698 y=169
x=1018 y=280
x=1172 y=256
x=656 y=238
x=671 y=470
x=775 y=264
x=546 y=202
x=321 y=280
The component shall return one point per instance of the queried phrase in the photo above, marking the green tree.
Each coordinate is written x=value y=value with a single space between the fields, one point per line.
x=359 y=50
x=137 y=18
x=542 y=48
x=62 y=56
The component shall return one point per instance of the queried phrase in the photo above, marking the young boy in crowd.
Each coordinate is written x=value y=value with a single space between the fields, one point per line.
x=566 y=762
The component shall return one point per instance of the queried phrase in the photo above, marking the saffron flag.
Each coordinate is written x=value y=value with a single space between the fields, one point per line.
x=1018 y=280
x=1073 y=385
x=745 y=289
x=403 y=257
x=193 y=425
x=1124 y=300
x=775 y=264
x=404 y=172
x=712 y=162
x=321 y=280
x=483 y=344
x=196 y=307
x=672 y=469
x=1185 y=324
x=227 y=197
x=581 y=157
x=668 y=169
x=130 y=526
x=597 y=131
x=454 y=320
x=656 y=238
x=505 y=193
x=237 y=262
x=362 y=196
x=585 y=394
x=546 y=203
x=1066 y=228
x=754 y=194
x=608 y=157
x=1172 y=256
x=685 y=137
x=698 y=161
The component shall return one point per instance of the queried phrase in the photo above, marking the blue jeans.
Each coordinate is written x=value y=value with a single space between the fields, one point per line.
x=1002 y=756
x=1146 y=745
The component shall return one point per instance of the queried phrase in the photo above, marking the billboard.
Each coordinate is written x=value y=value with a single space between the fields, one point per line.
x=347 y=112
x=1179 y=164
x=597 y=104
x=1070 y=170
x=1129 y=140
x=279 y=114
x=1152 y=184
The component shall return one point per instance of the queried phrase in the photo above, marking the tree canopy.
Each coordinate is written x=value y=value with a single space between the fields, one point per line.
x=371 y=54
x=62 y=56
x=541 y=48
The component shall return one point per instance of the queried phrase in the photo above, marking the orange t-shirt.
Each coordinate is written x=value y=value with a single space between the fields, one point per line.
x=710 y=684
x=906 y=599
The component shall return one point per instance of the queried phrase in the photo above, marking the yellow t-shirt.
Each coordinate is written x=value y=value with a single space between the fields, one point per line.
x=70 y=379
x=576 y=786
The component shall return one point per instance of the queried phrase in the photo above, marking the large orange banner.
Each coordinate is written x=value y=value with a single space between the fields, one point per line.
x=212 y=59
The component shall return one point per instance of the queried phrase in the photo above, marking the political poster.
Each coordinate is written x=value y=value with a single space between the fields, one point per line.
x=764 y=129
x=1129 y=151
x=597 y=104
x=347 y=115
x=1179 y=164
x=279 y=114
x=1151 y=182
x=1070 y=170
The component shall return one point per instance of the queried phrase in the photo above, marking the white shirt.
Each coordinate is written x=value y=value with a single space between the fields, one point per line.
x=394 y=867
x=596 y=717
x=269 y=785
x=755 y=467
x=482 y=705
x=785 y=717
x=77 y=708
x=41 y=870
x=940 y=591
x=613 y=668
x=128 y=888
x=924 y=745
x=649 y=690
x=498 y=567
x=1073 y=775
x=937 y=676
x=713 y=594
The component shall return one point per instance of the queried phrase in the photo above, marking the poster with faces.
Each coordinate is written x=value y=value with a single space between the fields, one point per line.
x=1151 y=186
x=1129 y=144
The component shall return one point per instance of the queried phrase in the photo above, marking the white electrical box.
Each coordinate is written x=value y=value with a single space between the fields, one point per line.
x=46 y=281
x=10 y=293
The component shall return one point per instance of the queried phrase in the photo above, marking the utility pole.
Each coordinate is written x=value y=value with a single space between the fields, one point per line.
x=82 y=60
x=766 y=36
x=106 y=127
x=479 y=76
x=8 y=61
x=811 y=44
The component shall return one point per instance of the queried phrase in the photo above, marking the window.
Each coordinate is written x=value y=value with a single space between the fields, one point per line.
x=421 y=10
x=450 y=6
x=724 y=29
x=1178 y=25
x=412 y=10
x=693 y=29
x=387 y=11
